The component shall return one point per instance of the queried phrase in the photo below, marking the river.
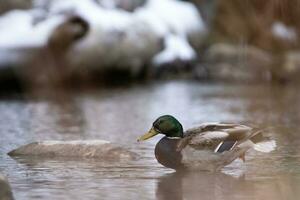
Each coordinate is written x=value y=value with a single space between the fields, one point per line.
x=122 y=114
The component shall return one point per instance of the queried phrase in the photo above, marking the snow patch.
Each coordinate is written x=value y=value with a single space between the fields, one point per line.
x=282 y=31
x=176 y=48
x=179 y=17
x=18 y=30
x=172 y=20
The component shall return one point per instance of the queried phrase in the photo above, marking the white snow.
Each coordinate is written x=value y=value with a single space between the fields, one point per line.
x=176 y=48
x=18 y=30
x=97 y=16
x=173 y=20
x=179 y=17
x=282 y=31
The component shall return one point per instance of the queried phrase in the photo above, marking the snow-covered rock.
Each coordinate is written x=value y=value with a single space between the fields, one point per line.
x=131 y=40
x=99 y=149
x=116 y=40
x=178 y=23
x=156 y=32
x=5 y=190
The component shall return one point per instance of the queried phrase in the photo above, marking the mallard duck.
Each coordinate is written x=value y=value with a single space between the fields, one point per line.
x=210 y=146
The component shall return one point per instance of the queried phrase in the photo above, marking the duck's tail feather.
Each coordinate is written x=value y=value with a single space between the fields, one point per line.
x=266 y=146
x=263 y=143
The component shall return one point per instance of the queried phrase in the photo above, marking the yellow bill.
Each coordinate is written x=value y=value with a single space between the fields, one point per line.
x=152 y=132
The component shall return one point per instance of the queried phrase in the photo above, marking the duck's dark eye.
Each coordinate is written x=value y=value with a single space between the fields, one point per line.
x=156 y=126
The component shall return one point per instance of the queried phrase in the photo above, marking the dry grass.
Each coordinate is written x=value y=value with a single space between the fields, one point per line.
x=250 y=22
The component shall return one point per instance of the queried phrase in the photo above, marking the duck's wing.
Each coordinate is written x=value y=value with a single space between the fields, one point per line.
x=217 y=137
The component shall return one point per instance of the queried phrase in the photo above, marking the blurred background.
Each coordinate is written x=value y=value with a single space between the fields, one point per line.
x=106 y=69
x=54 y=43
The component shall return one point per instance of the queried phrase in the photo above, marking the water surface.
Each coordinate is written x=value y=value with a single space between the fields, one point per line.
x=122 y=114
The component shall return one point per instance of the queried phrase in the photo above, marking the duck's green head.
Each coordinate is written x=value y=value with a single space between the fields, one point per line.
x=166 y=125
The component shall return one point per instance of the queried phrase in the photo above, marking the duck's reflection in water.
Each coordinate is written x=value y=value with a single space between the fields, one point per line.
x=219 y=186
x=169 y=186
x=196 y=185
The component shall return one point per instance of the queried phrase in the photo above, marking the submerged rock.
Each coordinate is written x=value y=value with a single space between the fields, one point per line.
x=5 y=190
x=100 y=149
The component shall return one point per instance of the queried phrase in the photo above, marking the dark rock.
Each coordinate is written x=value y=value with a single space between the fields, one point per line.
x=48 y=66
x=67 y=33
x=5 y=189
x=6 y=5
